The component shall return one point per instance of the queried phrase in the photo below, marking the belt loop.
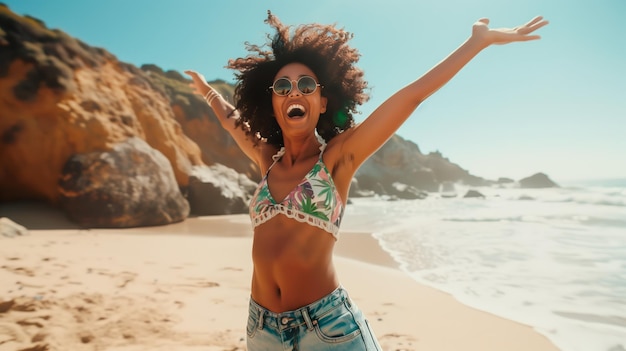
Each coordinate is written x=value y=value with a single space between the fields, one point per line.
x=307 y=318
x=345 y=297
x=261 y=318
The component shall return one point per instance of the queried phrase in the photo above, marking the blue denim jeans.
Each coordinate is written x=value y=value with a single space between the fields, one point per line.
x=333 y=323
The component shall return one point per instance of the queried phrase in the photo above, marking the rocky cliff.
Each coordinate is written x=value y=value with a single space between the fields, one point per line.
x=401 y=161
x=61 y=98
x=70 y=113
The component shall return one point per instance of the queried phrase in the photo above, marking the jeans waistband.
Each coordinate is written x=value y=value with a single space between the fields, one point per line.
x=304 y=315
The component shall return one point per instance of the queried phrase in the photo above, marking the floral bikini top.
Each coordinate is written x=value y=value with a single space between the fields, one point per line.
x=314 y=200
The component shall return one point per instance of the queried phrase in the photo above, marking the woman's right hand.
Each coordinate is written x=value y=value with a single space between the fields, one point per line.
x=199 y=84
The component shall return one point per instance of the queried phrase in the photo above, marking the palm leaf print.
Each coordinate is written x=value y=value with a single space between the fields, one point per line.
x=323 y=182
x=310 y=208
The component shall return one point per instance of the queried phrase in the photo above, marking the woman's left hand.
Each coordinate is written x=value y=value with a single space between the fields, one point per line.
x=487 y=36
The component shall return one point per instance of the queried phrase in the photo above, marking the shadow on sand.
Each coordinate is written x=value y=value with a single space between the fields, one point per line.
x=36 y=215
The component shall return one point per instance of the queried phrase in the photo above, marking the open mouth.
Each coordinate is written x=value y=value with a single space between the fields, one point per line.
x=295 y=111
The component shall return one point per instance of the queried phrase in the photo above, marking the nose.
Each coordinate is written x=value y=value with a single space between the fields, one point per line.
x=294 y=88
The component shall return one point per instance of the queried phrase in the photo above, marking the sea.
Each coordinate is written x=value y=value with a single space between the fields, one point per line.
x=553 y=258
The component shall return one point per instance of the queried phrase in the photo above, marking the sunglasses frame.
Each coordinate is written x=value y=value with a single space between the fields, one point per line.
x=291 y=81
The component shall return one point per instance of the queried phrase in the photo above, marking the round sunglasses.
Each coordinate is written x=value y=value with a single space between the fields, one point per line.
x=306 y=85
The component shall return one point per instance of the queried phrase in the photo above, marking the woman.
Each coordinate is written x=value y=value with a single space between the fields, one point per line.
x=293 y=118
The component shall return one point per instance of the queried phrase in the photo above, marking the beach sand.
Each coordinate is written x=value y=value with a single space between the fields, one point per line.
x=186 y=287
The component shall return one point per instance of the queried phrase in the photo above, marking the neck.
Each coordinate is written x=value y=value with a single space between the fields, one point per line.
x=299 y=148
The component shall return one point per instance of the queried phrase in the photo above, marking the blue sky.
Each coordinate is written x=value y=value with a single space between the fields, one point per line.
x=557 y=105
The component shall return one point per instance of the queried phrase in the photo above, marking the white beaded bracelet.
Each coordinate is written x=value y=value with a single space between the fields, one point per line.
x=211 y=95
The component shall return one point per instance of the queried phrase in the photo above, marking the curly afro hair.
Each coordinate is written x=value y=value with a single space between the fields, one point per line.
x=322 y=48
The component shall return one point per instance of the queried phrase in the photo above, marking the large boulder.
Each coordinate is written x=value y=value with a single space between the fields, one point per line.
x=473 y=194
x=10 y=229
x=129 y=186
x=537 y=180
x=218 y=190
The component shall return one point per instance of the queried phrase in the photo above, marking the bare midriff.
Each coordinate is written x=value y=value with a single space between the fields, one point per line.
x=293 y=264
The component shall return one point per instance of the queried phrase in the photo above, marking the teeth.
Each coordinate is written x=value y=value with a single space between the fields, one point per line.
x=294 y=106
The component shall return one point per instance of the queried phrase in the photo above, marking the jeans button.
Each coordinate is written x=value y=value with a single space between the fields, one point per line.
x=285 y=320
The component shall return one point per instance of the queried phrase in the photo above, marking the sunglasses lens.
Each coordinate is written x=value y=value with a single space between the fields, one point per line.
x=307 y=85
x=282 y=86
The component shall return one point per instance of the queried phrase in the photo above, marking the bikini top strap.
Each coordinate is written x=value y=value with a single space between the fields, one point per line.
x=322 y=144
x=276 y=157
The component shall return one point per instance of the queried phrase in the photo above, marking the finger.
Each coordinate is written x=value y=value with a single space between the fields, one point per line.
x=529 y=37
x=533 y=21
x=534 y=27
x=537 y=25
x=484 y=20
x=529 y=28
x=191 y=73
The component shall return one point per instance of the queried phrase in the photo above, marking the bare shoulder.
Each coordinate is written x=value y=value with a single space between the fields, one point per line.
x=266 y=153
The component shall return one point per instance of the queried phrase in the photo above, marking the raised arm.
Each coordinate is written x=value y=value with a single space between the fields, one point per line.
x=226 y=114
x=374 y=131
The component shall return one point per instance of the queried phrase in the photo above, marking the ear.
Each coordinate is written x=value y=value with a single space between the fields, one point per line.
x=323 y=102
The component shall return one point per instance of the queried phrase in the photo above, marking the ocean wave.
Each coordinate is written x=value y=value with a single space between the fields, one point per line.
x=555 y=220
x=587 y=196
x=487 y=220
x=601 y=196
x=594 y=318
x=556 y=262
x=617 y=200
